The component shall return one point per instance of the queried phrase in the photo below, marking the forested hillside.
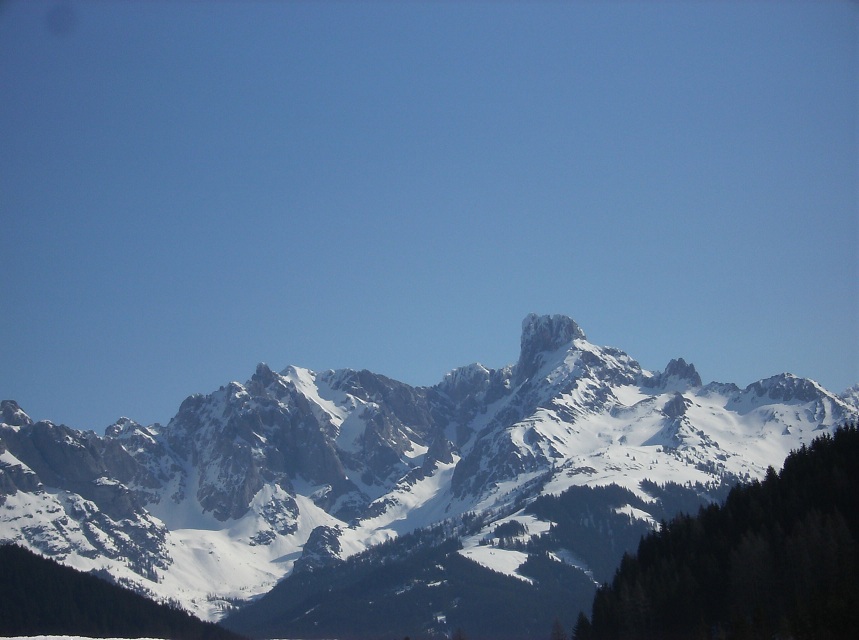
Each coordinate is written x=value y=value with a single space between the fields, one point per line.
x=414 y=587
x=778 y=559
x=423 y=585
x=40 y=597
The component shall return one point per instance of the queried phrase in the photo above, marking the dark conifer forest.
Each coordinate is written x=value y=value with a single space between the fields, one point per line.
x=40 y=597
x=778 y=560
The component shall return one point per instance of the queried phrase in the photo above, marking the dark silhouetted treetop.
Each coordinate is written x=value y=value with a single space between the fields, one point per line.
x=40 y=597
x=778 y=559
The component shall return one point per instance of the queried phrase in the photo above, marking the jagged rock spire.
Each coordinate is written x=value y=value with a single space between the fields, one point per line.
x=682 y=370
x=541 y=334
x=263 y=375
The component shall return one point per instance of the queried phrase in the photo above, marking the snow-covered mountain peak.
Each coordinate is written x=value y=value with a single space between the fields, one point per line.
x=851 y=395
x=556 y=355
x=123 y=427
x=677 y=376
x=13 y=415
x=541 y=335
x=547 y=333
x=264 y=375
x=468 y=374
x=679 y=369
x=786 y=387
x=465 y=380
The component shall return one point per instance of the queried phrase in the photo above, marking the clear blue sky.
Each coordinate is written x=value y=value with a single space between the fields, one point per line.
x=189 y=188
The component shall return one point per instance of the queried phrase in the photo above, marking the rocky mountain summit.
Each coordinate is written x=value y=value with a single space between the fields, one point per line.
x=292 y=471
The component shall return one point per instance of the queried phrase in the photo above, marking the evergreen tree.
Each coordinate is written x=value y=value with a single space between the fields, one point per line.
x=780 y=558
x=582 y=630
x=558 y=632
x=41 y=597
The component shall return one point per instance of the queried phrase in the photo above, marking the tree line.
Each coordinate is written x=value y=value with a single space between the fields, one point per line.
x=41 y=597
x=778 y=559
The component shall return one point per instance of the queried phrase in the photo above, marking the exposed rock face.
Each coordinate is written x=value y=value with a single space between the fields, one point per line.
x=11 y=414
x=321 y=549
x=786 y=388
x=540 y=335
x=82 y=462
x=238 y=441
x=676 y=407
x=678 y=374
x=464 y=395
x=96 y=515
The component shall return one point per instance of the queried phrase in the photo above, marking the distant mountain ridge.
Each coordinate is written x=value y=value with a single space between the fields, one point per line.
x=294 y=471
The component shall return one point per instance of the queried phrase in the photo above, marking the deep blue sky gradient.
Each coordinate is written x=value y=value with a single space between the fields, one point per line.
x=189 y=188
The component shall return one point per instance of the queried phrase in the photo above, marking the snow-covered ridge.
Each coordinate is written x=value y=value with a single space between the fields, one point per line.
x=288 y=471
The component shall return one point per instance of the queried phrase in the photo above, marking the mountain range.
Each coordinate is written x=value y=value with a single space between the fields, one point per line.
x=552 y=466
